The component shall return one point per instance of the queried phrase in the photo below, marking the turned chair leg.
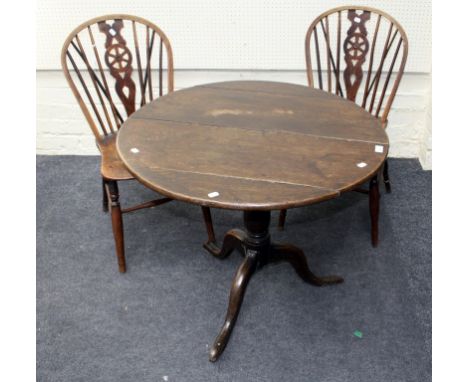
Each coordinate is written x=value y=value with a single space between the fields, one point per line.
x=209 y=224
x=282 y=219
x=117 y=224
x=105 y=199
x=386 y=178
x=374 y=206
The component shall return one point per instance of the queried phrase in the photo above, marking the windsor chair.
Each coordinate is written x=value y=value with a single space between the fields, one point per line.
x=354 y=35
x=102 y=52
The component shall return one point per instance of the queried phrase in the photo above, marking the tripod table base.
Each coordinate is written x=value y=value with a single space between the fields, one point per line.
x=254 y=243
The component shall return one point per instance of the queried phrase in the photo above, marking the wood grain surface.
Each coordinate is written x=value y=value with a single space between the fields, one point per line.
x=252 y=145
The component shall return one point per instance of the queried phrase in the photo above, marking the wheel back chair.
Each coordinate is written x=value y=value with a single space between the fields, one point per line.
x=103 y=52
x=338 y=44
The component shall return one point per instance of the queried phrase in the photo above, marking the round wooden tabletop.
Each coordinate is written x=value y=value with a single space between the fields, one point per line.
x=252 y=145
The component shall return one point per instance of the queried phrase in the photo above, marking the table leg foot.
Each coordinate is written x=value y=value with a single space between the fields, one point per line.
x=295 y=256
x=232 y=240
x=239 y=285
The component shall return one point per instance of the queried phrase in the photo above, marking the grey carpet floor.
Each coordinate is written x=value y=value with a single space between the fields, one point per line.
x=155 y=322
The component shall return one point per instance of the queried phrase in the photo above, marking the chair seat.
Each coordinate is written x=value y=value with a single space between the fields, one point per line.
x=112 y=167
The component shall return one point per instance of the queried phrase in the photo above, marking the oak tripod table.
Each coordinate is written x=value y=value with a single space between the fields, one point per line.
x=252 y=146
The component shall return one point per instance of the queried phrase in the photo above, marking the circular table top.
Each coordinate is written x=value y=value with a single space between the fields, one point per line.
x=252 y=145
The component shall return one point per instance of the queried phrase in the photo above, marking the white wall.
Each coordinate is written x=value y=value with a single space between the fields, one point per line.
x=241 y=39
x=229 y=34
x=425 y=144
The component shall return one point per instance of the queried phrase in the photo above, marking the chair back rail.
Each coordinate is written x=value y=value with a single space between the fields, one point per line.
x=115 y=64
x=358 y=53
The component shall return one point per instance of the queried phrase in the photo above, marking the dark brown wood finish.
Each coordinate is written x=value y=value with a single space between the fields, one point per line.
x=258 y=145
x=109 y=63
x=255 y=245
x=368 y=45
x=364 y=51
x=252 y=146
x=356 y=47
x=98 y=60
x=375 y=50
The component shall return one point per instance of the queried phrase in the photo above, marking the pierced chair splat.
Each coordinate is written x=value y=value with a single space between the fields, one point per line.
x=115 y=64
x=358 y=53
